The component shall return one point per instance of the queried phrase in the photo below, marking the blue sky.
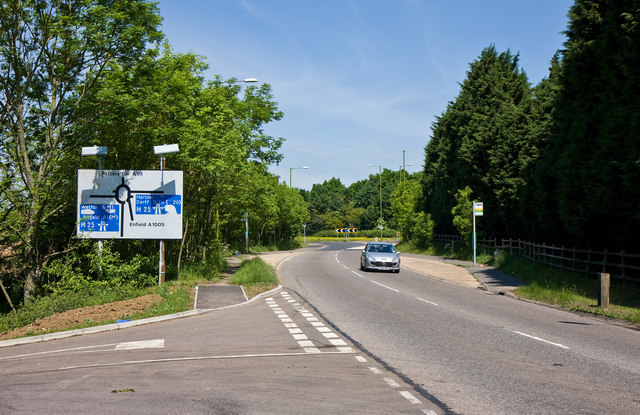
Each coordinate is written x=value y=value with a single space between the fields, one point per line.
x=359 y=81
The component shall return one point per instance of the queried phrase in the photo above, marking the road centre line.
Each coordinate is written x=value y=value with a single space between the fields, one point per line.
x=541 y=340
x=385 y=286
x=425 y=301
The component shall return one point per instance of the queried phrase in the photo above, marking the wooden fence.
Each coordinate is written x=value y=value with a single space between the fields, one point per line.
x=620 y=265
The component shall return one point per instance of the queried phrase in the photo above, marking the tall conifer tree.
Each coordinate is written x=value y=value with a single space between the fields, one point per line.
x=479 y=141
x=595 y=145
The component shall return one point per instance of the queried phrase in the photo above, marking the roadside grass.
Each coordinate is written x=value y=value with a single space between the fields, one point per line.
x=255 y=276
x=177 y=297
x=447 y=251
x=294 y=244
x=195 y=273
x=572 y=290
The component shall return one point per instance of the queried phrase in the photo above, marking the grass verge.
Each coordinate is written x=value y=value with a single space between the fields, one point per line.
x=482 y=256
x=573 y=291
x=255 y=276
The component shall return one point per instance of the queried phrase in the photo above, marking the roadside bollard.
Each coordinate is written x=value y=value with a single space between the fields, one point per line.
x=605 y=284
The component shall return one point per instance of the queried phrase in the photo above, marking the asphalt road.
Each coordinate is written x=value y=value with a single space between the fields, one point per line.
x=271 y=356
x=470 y=351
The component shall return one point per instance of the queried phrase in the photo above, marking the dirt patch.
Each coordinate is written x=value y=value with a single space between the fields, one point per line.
x=73 y=318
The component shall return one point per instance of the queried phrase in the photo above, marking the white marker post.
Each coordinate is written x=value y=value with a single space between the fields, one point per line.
x=477 y=211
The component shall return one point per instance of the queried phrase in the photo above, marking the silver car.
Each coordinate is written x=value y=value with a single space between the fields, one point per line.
x=381 y=256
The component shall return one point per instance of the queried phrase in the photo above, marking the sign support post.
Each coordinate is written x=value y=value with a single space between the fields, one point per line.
x=162 y=150
x=477 y=211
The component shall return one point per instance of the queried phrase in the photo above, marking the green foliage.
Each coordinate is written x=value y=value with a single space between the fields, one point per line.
x=405 y=202
x=572 y=290
x=41 y=307
x=593 y=156
x=101 y=269
x=463 y=214
x=331 y=205
x=176 y=298
x=559 y=162
x=328 y=196
x=421 y=230
x=481 y=141
x=254 y=271
x=52 y=56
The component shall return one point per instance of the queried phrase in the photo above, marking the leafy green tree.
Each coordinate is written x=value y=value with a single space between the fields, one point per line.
x=328 y=196
x=365 y=194
x=52 y=54
x=405 y=203
x=463 y=214
x=163 y=97
x=422 y=230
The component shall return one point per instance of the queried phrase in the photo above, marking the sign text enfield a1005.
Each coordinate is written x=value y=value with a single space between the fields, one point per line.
x=130 y=204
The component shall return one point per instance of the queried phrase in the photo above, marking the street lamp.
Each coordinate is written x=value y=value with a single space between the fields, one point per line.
x=99 y=151
x=291 y=169
x=161 y=151
x=380 y=179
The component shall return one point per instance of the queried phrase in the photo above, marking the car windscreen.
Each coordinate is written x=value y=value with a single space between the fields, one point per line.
x=381 y=248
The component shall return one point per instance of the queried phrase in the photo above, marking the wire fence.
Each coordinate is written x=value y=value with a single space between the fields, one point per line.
x=621 y=265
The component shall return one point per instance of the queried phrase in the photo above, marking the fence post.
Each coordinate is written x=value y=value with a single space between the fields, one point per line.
x=605 y=283
x=622 y=263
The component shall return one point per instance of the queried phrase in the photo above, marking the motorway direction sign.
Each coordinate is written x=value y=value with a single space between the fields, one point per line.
x=129 y=204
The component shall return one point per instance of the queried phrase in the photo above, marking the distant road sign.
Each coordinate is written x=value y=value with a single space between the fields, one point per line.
x=346 y=230
x=478 y=209
x=129 y=204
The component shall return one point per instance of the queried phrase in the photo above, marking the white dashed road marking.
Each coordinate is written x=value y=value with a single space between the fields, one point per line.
x=410 y=397
x=541 y=340
x=298 y=334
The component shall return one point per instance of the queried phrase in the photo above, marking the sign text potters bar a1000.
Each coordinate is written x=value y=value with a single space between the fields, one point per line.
x=130 y=204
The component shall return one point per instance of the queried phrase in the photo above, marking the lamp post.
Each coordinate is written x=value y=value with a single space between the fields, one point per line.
x=161 y=151
x=245 y=219
x=404 y=170
x=380 y=180
x=293 y=168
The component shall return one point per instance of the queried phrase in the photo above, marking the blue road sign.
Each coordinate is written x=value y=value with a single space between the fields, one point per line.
x=99 y=218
